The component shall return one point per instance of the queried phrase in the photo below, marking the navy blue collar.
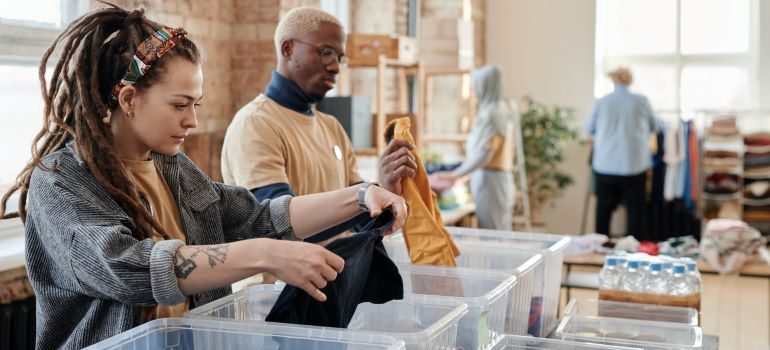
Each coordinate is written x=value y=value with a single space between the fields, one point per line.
x=288 y=94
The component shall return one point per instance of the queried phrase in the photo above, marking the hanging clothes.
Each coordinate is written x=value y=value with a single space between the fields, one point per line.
x=369 y=276
x=694 y=157
x=426 y=239
x=673 y=157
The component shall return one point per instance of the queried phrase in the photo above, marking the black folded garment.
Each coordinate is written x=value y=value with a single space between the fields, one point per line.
x=369 y=276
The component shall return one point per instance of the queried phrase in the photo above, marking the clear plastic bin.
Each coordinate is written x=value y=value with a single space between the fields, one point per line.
x=190 y=334
x=634 y=311
x=618 y=331
x=486 y=293
x=526 y=265
x=550 y=246
x=516 y=342
x=421 y=322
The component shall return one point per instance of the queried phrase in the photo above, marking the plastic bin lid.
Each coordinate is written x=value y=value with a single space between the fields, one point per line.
x=644 y=334
x=517 y=342
x=634 y=311
x=187 y=333
x=550 y=243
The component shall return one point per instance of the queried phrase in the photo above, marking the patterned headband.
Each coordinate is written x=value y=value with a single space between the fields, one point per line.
x=147 y=53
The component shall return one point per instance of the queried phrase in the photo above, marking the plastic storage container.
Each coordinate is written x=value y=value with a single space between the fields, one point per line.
x=421 y=322
x=485 y=292
x=617 y=331
x=516 y=342
x=550 y=246
x=190 y=334
x=527 y=266
x=646 y=312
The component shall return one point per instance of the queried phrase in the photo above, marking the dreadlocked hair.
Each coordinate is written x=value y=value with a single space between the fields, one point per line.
x=94 y=52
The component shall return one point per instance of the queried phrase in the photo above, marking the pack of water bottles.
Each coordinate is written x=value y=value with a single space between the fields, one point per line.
x=660 y=280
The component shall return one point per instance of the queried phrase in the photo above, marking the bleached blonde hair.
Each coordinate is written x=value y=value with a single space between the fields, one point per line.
x=299 y=21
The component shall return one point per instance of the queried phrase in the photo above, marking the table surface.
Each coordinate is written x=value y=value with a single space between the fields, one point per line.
x=597 y=259
x=453 y=216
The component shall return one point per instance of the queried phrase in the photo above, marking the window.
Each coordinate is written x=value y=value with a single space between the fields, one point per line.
x=686 y=55
x=27 y=28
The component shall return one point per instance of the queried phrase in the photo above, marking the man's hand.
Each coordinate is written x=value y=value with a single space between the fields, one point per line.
x=397 y=162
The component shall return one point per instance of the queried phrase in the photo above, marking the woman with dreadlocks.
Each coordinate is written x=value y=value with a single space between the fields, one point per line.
x=121 y=228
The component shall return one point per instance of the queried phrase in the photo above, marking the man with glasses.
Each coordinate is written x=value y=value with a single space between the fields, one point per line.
x=280 y=144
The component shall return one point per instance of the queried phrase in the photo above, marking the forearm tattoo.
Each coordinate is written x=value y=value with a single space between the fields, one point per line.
x=185 y=265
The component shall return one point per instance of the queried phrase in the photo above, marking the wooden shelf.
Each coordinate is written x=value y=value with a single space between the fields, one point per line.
x=722 y=197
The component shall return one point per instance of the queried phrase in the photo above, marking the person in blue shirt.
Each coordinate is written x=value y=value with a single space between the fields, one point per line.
x=621 y=124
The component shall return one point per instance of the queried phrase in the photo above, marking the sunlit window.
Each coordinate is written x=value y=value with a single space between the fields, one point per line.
x=686 y=55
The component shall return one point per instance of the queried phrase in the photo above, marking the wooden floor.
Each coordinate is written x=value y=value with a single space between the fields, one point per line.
x=737 y=309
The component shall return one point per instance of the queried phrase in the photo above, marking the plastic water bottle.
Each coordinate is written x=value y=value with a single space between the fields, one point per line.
x=633 y=279
x=644 y=265
x=679 y=284
x=622 y=262
x=667 y=270
x=694 y=277
x=609 y=276
x=654 y=283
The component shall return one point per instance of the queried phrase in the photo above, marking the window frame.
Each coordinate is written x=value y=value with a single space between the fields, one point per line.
x=678 y=60
x=22 y=43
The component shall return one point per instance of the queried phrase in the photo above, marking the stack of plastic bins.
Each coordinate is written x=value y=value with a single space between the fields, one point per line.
x=486 y=293
x=194 y=334
x=634 y=311
x=551 y=246
x=527 y=266
x=420 y=322
x=515 y=342
x=648 y=335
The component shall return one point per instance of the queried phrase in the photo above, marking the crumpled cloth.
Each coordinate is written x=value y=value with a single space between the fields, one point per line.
x=728 y=244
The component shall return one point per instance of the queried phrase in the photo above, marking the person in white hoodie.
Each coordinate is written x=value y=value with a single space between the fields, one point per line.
x=489 y=153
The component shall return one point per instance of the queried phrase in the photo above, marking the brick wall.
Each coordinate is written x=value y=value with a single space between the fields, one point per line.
x=237 y=39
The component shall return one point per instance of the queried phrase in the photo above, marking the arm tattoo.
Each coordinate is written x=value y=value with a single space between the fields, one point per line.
x=185 y=266
x=216 y=253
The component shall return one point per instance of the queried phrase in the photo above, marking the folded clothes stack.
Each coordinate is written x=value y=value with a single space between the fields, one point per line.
x=724 y=127
x=756 y=189
x=720 y=183
x=721 y=160
x=757 y=155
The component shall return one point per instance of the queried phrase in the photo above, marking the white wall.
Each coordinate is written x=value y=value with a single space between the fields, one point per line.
x=764 y=55
x=546 y=50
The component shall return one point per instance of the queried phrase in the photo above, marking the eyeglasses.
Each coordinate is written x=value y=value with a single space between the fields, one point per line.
x=328 y=54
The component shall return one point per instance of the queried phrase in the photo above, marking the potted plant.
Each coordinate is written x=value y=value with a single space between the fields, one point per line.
x=545 y=132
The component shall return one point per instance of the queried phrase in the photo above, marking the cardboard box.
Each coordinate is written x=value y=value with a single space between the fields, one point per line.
x=364 y=49
x=692 y=301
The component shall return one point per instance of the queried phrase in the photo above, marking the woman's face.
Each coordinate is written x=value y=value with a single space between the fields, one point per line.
x=165 y=112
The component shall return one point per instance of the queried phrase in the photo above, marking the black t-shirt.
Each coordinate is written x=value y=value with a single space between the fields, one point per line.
x=369 y=276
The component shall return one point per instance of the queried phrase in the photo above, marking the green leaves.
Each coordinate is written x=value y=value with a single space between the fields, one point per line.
x=546 y=131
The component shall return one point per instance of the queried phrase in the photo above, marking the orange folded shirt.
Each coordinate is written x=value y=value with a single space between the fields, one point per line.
x=427 y=240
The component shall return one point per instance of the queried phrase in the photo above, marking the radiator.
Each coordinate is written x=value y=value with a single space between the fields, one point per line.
x=17 y=325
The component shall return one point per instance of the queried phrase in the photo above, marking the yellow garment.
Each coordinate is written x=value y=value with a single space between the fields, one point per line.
x=427 y=240
x=149 y=181
x=502 y=148
x=268 y=144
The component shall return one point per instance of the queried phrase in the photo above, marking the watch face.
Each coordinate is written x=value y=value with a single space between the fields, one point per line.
x=337 y=152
